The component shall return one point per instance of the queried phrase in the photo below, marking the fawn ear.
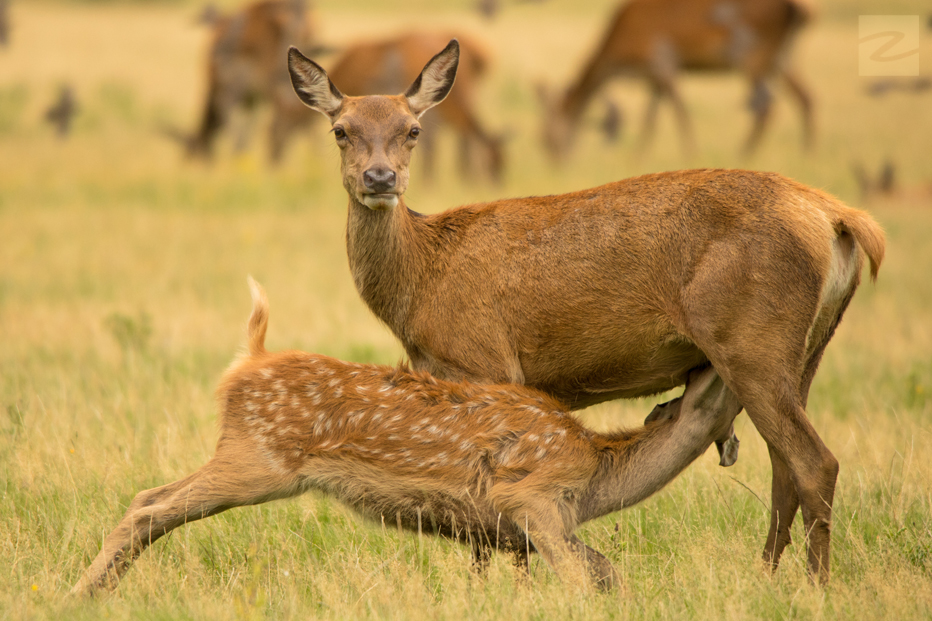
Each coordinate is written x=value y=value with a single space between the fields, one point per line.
x=312 y=84
x=435 y=81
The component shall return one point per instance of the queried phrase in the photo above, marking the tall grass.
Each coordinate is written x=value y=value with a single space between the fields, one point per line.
x=123 y=297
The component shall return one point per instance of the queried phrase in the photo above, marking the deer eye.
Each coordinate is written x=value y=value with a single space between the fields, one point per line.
x=339 y=133
x=415 y=131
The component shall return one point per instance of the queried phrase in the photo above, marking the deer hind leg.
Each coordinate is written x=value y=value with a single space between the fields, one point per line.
x=804 y=99
x=219 y=485
x=761 y=105
x=481 y=555
x=682 y=117
x=784 y=496
x=649 y=126
x=804 y=470
x=784 y=504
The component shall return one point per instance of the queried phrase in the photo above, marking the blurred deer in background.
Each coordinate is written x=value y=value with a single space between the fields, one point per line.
x=244 y=66
x=4 y=23
x=885 y=185
x=496 y=467
x=61 y=113
x=656 y=39
x=389 y=65
x=615 y=292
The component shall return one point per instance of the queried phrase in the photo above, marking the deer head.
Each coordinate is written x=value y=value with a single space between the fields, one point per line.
x=376 y=134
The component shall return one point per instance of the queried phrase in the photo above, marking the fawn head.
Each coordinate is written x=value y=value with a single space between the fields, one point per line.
x=375 y=133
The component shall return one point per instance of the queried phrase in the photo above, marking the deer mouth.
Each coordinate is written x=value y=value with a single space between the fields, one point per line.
x=381 y=201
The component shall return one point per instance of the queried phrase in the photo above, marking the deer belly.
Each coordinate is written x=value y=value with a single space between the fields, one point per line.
x=585 y=377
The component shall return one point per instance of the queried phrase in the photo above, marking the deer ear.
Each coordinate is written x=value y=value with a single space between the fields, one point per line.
x=435 y=81
x=312 y=84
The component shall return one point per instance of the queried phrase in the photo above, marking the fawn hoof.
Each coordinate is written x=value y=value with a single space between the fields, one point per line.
x=728 y=450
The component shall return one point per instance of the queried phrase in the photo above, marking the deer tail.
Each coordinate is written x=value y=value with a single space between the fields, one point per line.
x=867 y=233
x=258 y=319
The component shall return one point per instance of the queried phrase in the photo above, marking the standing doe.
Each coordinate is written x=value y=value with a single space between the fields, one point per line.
x=499 y=467
x=655 y=39
x=618 y=291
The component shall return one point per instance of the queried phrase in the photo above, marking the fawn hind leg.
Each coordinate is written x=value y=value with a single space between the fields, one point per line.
x=219 y=485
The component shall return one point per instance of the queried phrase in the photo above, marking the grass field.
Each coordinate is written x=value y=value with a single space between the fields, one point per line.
x=123 y=297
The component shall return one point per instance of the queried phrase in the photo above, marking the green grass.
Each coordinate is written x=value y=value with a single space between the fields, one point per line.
x=123 y=298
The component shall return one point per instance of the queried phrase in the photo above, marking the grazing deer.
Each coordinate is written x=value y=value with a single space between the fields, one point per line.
x=617 y=291
x=886 y=187
x=500 y=467
x=245 y=65
x=655 y=39
x=389 y=65
x=4 y=23
x=61 y=113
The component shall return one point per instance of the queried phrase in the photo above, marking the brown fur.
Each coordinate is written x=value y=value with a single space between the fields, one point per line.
x=616 y=291
x=655 y=39
x=499 y=467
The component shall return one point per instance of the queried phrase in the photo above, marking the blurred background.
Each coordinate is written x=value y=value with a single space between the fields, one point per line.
x=152 y=155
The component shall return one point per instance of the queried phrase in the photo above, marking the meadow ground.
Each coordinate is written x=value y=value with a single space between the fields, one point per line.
x=123 y=297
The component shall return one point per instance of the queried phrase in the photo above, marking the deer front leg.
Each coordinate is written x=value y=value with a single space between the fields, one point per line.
x=575 y=562
x=572 y=560
x=760 y=103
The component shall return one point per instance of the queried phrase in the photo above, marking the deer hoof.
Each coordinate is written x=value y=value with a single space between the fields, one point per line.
x=728 y=451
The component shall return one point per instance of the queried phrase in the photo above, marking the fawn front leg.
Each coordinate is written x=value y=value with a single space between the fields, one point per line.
x=571 y=559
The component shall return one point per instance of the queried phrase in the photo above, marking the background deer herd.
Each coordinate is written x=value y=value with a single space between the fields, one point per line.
x=121 y=295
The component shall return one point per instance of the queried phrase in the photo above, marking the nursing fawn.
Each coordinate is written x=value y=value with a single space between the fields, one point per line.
x=497 y=467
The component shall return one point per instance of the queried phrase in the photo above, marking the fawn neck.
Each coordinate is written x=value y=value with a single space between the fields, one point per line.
x=633 y=465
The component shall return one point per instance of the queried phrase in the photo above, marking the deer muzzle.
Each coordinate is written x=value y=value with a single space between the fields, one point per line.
x=380 y=188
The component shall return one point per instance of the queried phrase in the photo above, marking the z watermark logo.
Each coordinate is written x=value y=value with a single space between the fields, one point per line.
x=888 y=44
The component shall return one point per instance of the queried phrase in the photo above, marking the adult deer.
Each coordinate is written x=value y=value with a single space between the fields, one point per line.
x=245 y=66
x=494 y=466
x=389 y=65
x=655 y=39
x=4 y=22
x=617 y=291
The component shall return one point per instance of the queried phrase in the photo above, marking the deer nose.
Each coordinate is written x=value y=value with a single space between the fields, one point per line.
x=379 y=180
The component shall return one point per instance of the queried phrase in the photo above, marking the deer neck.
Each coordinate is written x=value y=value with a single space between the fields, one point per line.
x=386 y=258
x=634 y=465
